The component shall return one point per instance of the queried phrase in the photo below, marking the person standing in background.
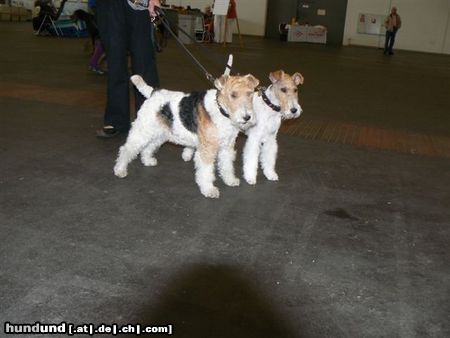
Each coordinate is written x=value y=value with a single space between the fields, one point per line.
x=231 y=21
x=392 y=24
x=92 y=6
x=219 y=24
x=125 y=27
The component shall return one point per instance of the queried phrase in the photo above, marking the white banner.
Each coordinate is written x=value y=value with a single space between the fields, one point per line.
x=221 y=7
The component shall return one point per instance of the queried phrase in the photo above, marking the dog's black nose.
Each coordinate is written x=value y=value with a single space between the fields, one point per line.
x=294 y=110
x=247 y=117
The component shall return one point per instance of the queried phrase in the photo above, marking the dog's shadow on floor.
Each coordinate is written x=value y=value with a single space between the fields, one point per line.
x=215 y=301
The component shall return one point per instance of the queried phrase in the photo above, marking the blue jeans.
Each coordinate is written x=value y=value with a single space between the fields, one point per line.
x=389 y=43
x=124 y=30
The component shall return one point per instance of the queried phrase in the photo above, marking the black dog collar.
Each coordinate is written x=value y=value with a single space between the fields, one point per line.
x=221 y=109
x=268 y=102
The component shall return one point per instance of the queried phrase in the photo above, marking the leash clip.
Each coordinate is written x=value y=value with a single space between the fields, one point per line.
x=210 y=78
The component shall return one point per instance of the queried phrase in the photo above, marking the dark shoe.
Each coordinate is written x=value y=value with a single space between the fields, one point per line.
x=391 y=53
x=107 y=132
x=97 y=70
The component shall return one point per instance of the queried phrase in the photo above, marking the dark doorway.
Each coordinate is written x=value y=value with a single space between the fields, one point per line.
x=328 y=13
x=279 y=11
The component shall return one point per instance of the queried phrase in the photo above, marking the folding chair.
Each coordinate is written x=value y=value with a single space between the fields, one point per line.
x=199 y=28
x=202 y=29
x=209 y=35
x=50 y=17
x=49 y=20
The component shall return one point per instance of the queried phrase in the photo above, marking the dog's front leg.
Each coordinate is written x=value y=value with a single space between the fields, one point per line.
x=188 y=153
x=251 y=154
x=227 y=155
x=204 y=172
x=269 y=157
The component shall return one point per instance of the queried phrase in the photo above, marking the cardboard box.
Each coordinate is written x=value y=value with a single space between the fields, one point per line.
x=313 y=34
x=297 y=33
x=317 y=34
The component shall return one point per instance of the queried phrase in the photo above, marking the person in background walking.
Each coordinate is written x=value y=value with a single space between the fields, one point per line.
x=91 y=26
x=392 y=24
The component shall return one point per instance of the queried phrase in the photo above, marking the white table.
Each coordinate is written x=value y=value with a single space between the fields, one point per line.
x=313 y=34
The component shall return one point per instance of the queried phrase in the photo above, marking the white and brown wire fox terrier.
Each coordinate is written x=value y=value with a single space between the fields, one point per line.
x=206 y=123
x=272 y=105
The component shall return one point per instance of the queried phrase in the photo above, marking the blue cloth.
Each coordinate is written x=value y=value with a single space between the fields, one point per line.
x=92 y=3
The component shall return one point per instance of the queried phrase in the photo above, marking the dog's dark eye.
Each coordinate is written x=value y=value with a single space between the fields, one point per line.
x=295 y=90
x=234 y=95
x=284 y=90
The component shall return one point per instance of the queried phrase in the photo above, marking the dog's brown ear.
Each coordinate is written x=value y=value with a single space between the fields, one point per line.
x=276 y=76
x=220 y=82
x=298 y=79
x=253 y=80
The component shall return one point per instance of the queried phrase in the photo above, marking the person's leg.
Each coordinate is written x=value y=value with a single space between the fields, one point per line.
x=112 y=27
x=219 y=23
x=386 y=42
x=391 y=43
x=230 y=30
x=98 y=52
x=142 y=49
x=36 y=23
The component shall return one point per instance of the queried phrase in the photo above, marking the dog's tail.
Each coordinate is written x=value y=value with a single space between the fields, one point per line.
x=142 y=86
x=229 y=65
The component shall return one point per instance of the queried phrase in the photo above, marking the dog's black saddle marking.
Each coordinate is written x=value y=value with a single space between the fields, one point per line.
x=188 y=110
x=166 y=111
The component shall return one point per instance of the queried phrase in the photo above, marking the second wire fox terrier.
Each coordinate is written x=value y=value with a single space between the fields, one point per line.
x=278 y=102
x=206 y=122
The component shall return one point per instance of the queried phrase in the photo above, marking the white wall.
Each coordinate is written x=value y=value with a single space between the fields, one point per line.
x=446 y=48
x=251 y=13
x=425 y=24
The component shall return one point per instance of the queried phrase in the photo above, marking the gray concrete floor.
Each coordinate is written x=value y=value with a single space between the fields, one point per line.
x=353 y=241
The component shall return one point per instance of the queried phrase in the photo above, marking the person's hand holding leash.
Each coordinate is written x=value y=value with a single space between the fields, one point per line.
x=151 y=7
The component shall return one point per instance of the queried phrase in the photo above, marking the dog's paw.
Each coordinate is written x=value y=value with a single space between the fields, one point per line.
x=121 y=173
x=212 y=192
x=250 y=180
x=187 y=154
x=232 y=182
x=149 y=162
x=271 y=176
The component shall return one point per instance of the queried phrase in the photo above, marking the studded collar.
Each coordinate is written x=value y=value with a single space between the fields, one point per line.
x=268 y=102
x=221 y=109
